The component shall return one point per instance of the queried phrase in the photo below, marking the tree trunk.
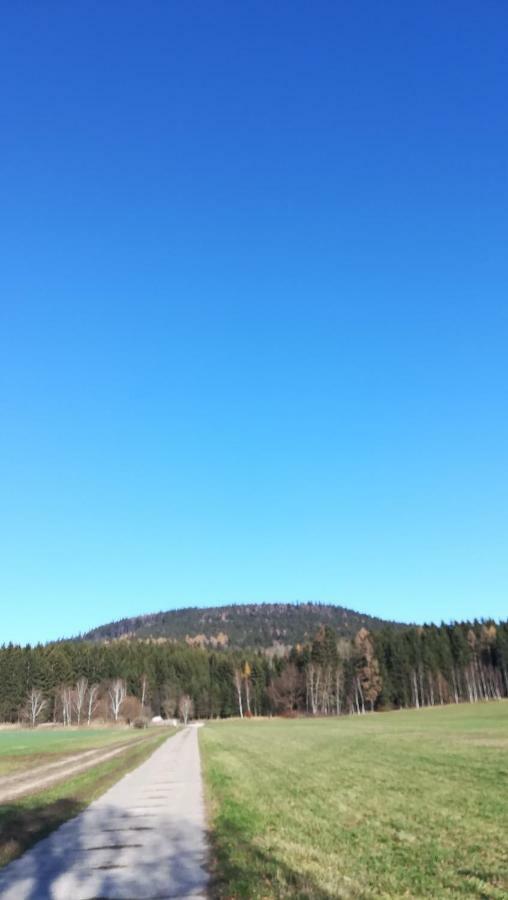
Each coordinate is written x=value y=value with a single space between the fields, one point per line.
x=415 y=690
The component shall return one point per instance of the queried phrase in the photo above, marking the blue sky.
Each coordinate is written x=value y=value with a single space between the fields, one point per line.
x=253 y=327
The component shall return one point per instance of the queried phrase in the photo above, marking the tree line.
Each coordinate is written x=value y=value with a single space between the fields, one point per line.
x=76 y=682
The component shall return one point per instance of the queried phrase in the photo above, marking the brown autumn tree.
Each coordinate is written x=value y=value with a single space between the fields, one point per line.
x=286 y=691
x=367 y=668
x=246 y=675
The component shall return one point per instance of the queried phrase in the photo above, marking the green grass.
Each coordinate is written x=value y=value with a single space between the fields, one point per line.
x=21 y=748
x=25 y=821
x=402 y=804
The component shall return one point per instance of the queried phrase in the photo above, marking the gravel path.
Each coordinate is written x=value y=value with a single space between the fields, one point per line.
x=41 y=777
x=144 y=839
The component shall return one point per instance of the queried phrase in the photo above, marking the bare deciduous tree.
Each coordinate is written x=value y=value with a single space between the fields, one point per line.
x=238 y=685
x=79 y=697
x=185 y=708
x=285 y=690
x=144 y=689
x=66 y=700
x=36 y=704
x=313 y=677
x=117 y=693
x=93 y=699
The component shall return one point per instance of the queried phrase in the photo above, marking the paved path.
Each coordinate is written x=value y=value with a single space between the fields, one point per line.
x=144 y=839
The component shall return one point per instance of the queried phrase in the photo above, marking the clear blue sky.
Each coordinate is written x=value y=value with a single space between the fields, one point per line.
x=253 y=327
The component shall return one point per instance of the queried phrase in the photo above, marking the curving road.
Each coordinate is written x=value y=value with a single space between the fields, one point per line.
x=144 y=839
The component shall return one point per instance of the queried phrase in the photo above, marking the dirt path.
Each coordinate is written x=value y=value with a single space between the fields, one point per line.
x=144 y=839
x=22 y=783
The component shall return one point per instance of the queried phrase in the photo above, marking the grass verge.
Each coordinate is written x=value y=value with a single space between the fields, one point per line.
x=26 y=821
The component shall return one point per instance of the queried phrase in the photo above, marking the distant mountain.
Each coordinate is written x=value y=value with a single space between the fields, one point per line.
x=258 y=625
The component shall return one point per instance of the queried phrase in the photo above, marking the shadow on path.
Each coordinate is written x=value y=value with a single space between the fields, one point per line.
x=23 y=826
x=140 y=855
x=144 y=839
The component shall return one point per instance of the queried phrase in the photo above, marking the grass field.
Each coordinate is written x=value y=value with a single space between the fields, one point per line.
x=402 y=804
x=24 y=821
x=24 y=748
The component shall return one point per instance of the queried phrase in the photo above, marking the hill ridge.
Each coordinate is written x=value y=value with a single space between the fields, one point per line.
x=241 y=625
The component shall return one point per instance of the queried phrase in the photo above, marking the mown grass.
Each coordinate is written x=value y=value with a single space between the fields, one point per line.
x=402 y=804
x=23 y=748
x=25 y=821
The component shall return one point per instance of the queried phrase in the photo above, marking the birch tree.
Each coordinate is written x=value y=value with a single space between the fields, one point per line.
x=92 y=700
x=79 y=697
x=246 y=673
x=144 y=689
x=36 y=704
x=117 y=693
x=238 y=685
x=66 y=703
x=313 y=678
x=185 y=708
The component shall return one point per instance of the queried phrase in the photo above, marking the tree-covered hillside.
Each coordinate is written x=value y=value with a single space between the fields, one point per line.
x=241 y=626
x=394 y=668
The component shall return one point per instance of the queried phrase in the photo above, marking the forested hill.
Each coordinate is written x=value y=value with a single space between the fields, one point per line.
x=241 y=626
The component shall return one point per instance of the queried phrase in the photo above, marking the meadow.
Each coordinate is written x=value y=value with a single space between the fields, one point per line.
x=399 y=804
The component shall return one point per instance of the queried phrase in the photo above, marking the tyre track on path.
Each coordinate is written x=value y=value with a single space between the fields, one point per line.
x=12 y=787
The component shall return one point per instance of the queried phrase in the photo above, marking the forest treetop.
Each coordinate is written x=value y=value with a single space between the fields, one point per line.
x=254 y=625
